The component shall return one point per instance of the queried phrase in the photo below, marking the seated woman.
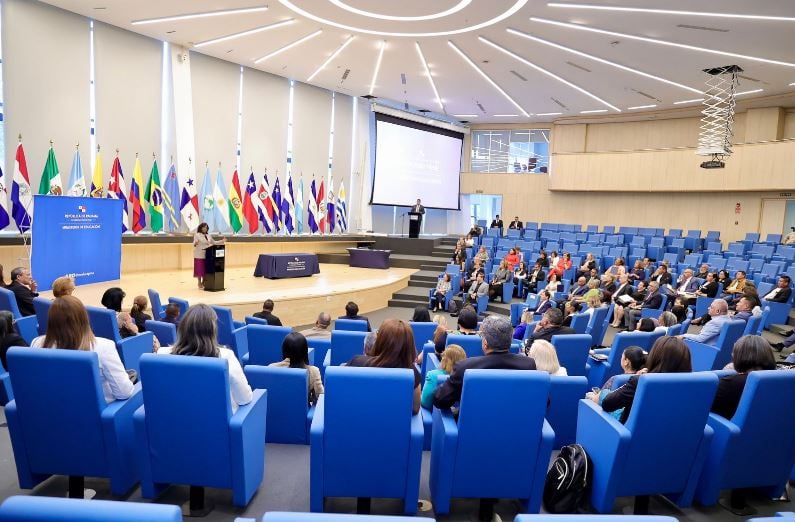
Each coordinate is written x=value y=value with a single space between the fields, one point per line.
x=608 y=286
x=521 y=328
x=587 y=265
x=295 y=354
x=63 y=286
x=668 y=355
x=482 y=255
x=563 y=264
x=520 y=273
x=618 y=268
x=171 y=314
x=140 y=303
x=421 y=314
x=592 y=303
x=452 y=354
x=638 y=273
x=543 y=260
x=197 y=335
x=646 y=324
x=8 y=335
x=666 y=320
x=553 y=285
x=68 y=328
x=546 y=358
x=554 y=259
x=750 y=353
x=501 y=276
x=512 y=258
x=127 y=326
x=113 y=298
x=680 y=308
x=709 y=288
x=724 y=279
x=618 y=311
x=469 y=241
x=632 y=361
x=393 y=348
x=442 y=287
x=472 y=275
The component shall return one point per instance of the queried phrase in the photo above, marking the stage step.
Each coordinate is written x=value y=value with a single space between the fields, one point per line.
x=430 y=276
x=422 y=284
x=433 y=267
x=396 y=303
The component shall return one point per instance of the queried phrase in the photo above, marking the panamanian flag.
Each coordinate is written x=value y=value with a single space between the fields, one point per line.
x=311 y=208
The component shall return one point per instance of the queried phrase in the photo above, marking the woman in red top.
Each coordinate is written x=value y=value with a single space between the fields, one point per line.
x=512 y=259
x=564 y=263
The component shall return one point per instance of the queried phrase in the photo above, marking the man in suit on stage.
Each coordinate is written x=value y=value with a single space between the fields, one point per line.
x=418 y=208
x=24 y=288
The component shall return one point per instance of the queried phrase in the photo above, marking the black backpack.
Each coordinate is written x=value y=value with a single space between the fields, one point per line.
x=568 y=480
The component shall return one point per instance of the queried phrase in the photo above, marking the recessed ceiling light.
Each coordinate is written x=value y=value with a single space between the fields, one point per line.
x=289 y=46
x=377 y=66
x=100 y=8
x=754 y=91
x=200 y=15
x=548 y=73
x=601 y=60
x=333 y=55
x=793 y=83
x=593 y=111
x=245 y=33
x=487 y=78
x=430 y=78
x=689 y=101
x=458 y=7
x=505 y=115
x=510 y=12
x=660 y=42
x=549 y=114
x=672 y=11
x=465 y=115
x=641 y=107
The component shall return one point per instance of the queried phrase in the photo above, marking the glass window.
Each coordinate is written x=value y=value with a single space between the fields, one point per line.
x=519 y=151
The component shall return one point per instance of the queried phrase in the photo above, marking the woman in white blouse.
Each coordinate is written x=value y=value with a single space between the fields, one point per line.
x=196 y=335
x=202 y=240
x=68 y=328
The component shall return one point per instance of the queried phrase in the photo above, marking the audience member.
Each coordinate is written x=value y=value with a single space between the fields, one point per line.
x=724 y=279
x=171 y=313
x=742 y=310
x=267 y=314
x=637 y=295
x=577 y=293
x=662 y=276
x=608 y=286
x=549 y=325
x=197 y=335
x=587 y=265
x=25 y=289
x=710 y=331
x=352 y=312
x=544 y=302
x=553 y=285
x=543 y=260
x=295 y=354
x=478 y=289
x=702 y=271
x=735 y=288
x=632 y=361
x=534 y=277
x=680 y=308
x=369 y=342
x=452 y=354
x=68 y=328
x=653 y=299
x=477 y=268
x=8 y=336
x=750 y=353
x=591 y=304
x=127 y=326
x=421 y=314
x=709 y=288
x=546 y=358
x=512 y=258
x=516 y=224
x=789 y=239
x=638 y=273
x=646 y=324
x=563 y=264
x=618 y=268
x=475 y=231
x=482 y=255
x=442 y=287
x=113 y=298
x=467 y=325
x=520 y=273
x=469 y=241
x=140 y=303
x=686 y=284
x=501 y=276
x=521 y=328
x=496 y=337
x=782 y=292
x=496 y=222
x=2 y=277
x=62 y=286
x=320 y=329
x=554 y=259
x=624 y=288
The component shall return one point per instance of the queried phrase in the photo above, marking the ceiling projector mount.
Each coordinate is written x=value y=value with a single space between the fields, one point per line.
x=717 y=116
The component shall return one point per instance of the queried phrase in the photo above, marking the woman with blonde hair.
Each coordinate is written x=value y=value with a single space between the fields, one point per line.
x=63 y=286
x=546 y=358
x=452 y=354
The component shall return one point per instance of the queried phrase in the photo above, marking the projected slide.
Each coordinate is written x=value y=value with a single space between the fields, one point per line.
x=416 y=161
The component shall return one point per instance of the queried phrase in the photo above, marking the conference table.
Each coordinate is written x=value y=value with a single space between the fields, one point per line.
x=369 y=258
x=277 y=266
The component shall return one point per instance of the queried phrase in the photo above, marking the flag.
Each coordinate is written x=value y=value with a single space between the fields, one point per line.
x=208 y=201
x=170 y=199
x=97 y=186
x=311 y=208
x=265 y=204
x=235 y=205
x=320 y=204
x=4 y=219
x=342 y=209
x=138 y=221
x=117 y=189
x=299 y=205
x=250 y=205
x=51 y=177
x=21 y=194
x=221 y=206
x=276 y=196
x=77 y=183
x=288 y=206
x=189 y=204
x=331 y=206
x=154 y=197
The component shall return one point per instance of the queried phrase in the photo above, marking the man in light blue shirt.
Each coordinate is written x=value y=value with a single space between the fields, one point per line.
x=718 y=310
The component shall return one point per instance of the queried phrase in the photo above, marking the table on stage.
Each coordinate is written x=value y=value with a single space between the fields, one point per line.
x=367 y=258
x=276 y=266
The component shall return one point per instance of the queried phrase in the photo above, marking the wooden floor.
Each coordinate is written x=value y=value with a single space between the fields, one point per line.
x=298 y=300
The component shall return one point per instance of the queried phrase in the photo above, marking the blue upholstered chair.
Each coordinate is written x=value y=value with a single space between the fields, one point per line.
x=320 y=347
x=423 y=332
x=579 y=322
x=264 y=344
x=472 y=344
x=158 y=309
x=752 y=325
x=197 y=440
x=448 y=296
x=68 y=430
x=226 y=326
x=48 y=509
x=27 y=327
x=597 y=324
x=715 y=357
x=512 y=403
x=601 y=371
x=250 y=319
x=276 y=516
x=289 y=412
x=572 y=352
x=351 y=325
x=182 y=303
x=166 y=333
x=593 y=518
x=42 y=307
x=702 y=305
x=344 y=427
x=740 y=455
x=103 y=324
x=564 y=399
x=345 y=345
x=667 y=407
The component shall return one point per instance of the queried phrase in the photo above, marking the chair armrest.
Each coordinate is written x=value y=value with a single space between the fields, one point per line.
x=240 y=336
x=247 y=436
x=238 y=324
x=132 y=348
x=316 y=464
x=606 y=441
x=433 y=362
x=311 y=356
x=118 y=430
x=28 y=327
x=702 y=355
x=444 y=445
x=244 y=360
x=327 y=358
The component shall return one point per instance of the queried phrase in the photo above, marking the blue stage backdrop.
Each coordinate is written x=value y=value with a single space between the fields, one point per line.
x=78 y=237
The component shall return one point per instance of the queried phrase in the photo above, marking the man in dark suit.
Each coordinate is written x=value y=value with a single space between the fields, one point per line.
x=781 y=293
x=24 y=288
x=267 y=314
x=550 y=324
x=497 y=222
x=662 y=276
x=352 y=312
x=418 y=207
x=534 y=277
x=496 y=333
x=653 y=300
x=516 y=224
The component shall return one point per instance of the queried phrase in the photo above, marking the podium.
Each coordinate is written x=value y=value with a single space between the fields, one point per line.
x=214 y=262
x=415 y=224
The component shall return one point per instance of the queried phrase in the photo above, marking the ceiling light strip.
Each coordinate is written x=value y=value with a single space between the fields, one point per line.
x=660 y=42
x=593 y=111
x=430 y=78
x=205 y=14
x=288 y=46
x=487 y=77
x=754 y=91
x=641 y=107
x=689 y=101
x=370 y=14
x=601 y=60
x=377 y=66
x=465 y=115
x=504 y=115
x=548 y=73
x=672 y=12
x=549 y=114
x=330 y=58
x=244 y=33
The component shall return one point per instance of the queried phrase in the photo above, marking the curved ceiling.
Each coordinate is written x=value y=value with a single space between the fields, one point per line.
x=487 y=60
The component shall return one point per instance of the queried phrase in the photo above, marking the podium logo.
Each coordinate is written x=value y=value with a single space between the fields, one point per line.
x=81 y=209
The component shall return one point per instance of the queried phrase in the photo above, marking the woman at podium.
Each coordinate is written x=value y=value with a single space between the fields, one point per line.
x=202 y=240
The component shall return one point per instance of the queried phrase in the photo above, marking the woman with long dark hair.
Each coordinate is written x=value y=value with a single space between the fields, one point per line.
x=295 y=354
x=8 y=335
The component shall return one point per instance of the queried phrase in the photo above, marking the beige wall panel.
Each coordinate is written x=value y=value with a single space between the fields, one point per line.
x=772 y=216
x=569 y=138
x=765 y=124
x=789 y=125
x=640 y=135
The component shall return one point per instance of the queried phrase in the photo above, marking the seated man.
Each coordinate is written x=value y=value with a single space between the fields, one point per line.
x=782 y=292
x=703 y=271
x=497 y=222
x=550 y=324
x=267 y=314
x=352 y=312
x=497 y=333
x=479 y=288
x=534 y=277
x=653 y=299
x=718 y=310
x=320 y=329
x=475 y=231
x=743 y=309
x=24 y=288
x=686 y=284
x=516 y=224
x=735 y=289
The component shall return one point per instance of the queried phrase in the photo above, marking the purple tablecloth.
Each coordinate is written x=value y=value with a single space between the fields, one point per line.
x=366 y=258
x=275 y=266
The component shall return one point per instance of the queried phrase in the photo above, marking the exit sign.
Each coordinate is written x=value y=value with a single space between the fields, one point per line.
x=785 y=194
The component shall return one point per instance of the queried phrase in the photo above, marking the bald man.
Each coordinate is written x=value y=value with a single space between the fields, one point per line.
x=718 y=310
x=321 y=328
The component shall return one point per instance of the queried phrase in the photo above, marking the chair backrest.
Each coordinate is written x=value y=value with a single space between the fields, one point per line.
x=729 y=333
x=752 y=325
x=265 y=343
x=621 y=342
x=598 y=324
x=345 y=345
x=182 y=303
x=103 y=323
x=579 y=322
x=27 y=508
x=226 y=326
x=352 y=420
x=573 y=351
x=180 y=430
x=668 y=406
x=321 y=346
x=564 y=397
x=512 y=403
x=8 y=301
x=250 y=319
x=352 y=325
x=61 y=425
x=287 y=401
x=423 y=332
x=42 y=307
x=763 y=321
x=166 y=333
x=472 y=344
x=156 y=305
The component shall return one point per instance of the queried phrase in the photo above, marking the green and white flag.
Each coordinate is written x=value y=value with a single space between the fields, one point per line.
x=51 y=177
